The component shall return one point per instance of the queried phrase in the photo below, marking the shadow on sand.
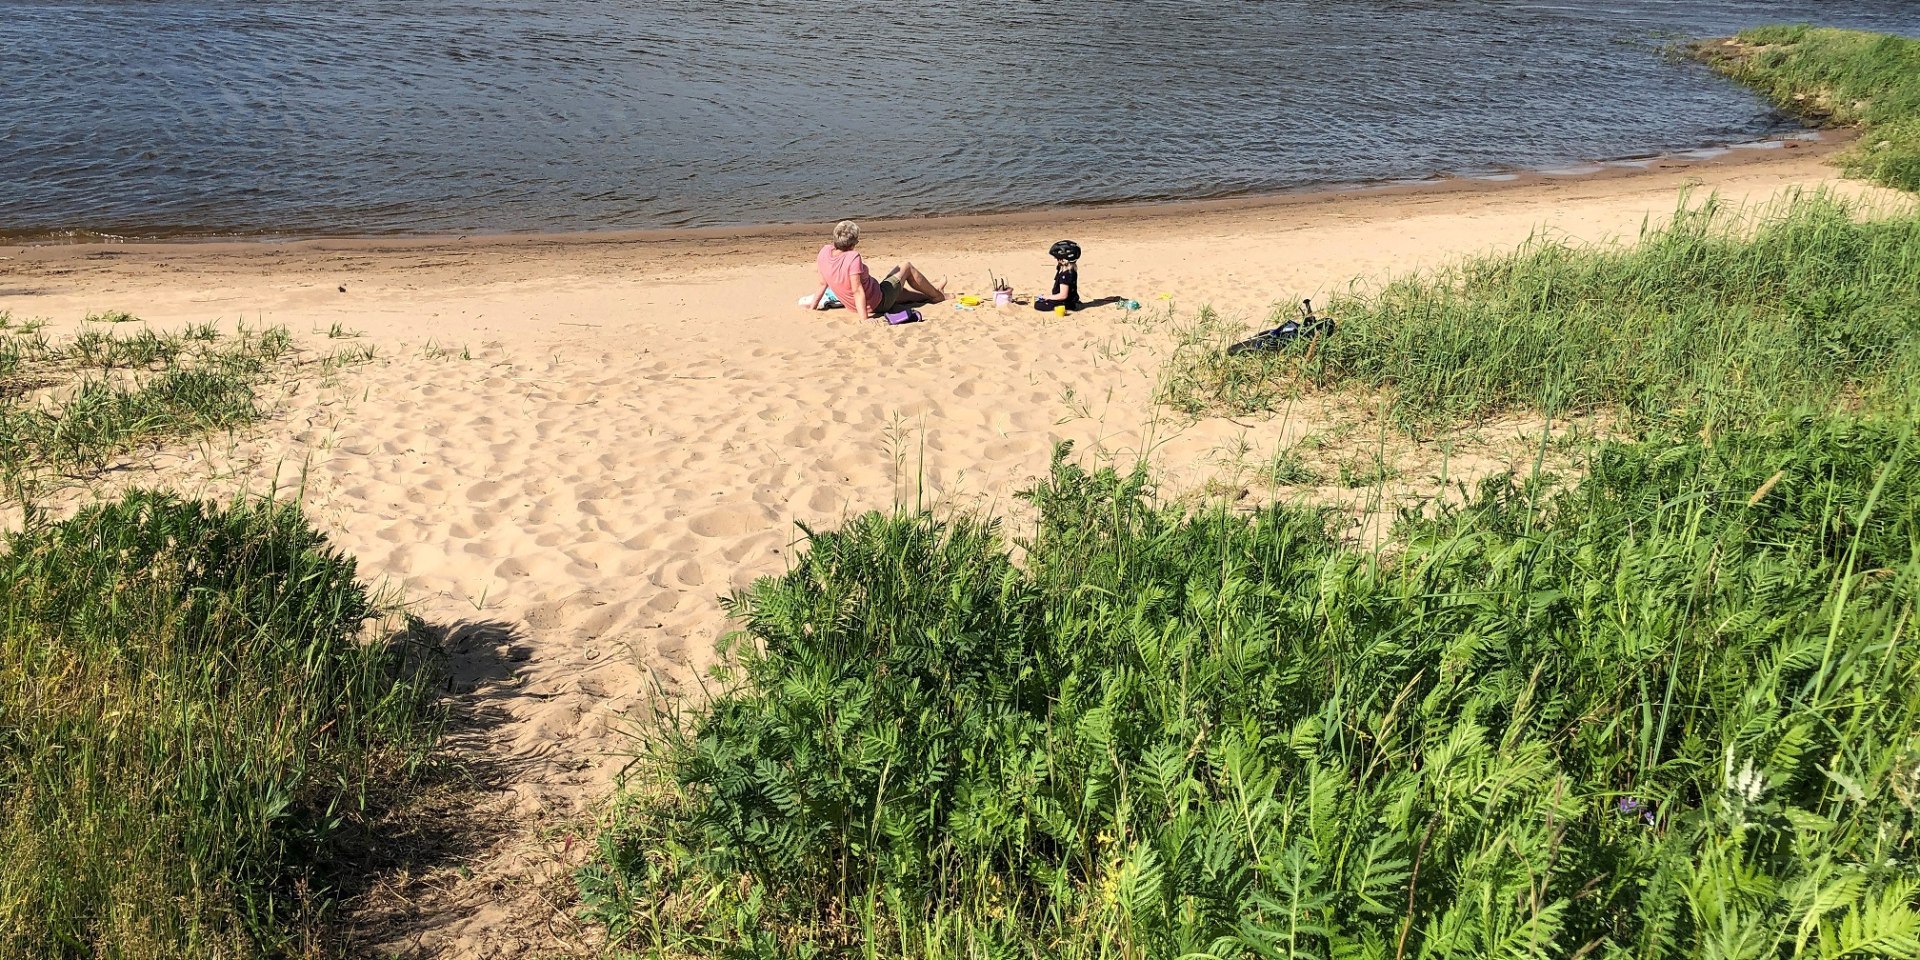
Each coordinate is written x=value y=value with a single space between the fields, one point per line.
x=420 y=834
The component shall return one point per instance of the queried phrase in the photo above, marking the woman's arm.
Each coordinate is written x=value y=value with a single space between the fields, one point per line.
x=818 y=298
x=861 y=277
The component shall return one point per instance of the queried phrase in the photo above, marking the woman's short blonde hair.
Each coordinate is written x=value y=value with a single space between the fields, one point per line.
x=846 y=233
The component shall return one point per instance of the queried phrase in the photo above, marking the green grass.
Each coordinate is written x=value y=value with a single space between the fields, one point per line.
x=1730 y=312
x=189 y=714
x=1839 y=78
x=194 y=708
x=71 y=406
x=1203 y=381
x=1290 y=469
x=1670 y=713
x=1366 y=473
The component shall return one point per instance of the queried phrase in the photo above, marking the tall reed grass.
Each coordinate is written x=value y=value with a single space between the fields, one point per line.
x=1670 y=713
x=1721 y=310
x=189 y=711
x=1832 y=77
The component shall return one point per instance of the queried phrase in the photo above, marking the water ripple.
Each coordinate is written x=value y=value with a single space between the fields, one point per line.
x=284 y=117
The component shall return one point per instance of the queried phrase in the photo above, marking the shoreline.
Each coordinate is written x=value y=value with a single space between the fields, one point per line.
x=1809 y=142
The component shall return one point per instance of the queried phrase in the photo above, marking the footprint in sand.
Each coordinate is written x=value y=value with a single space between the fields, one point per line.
x=824 y=501
x=690 y=573
x=802 y=436
x=728 y=521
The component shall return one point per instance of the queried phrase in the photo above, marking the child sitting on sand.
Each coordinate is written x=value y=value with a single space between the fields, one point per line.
x=1066 y=278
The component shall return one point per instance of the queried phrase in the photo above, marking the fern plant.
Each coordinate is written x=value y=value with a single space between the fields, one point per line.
x=1660 y=714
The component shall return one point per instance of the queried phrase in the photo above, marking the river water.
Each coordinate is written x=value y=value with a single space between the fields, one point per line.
x=145 y=118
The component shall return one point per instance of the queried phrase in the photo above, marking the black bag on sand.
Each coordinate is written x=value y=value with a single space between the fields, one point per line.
x=1307 y=328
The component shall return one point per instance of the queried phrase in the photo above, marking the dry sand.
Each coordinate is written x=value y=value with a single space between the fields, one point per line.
x=568 y=447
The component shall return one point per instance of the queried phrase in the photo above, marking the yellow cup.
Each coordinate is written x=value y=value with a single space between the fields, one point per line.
x=1060 y=311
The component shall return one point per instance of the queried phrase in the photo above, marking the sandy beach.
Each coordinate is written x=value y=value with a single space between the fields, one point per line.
x=564 y=450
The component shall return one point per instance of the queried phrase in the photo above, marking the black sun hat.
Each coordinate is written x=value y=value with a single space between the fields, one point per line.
x=1065 y=250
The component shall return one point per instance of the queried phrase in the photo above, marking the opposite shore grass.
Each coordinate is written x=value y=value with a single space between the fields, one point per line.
x=1845 y=78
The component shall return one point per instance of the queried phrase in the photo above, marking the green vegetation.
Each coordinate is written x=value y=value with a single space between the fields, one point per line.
x=1289 y=468
x=1671 y=712
x=1839 y=78
x=1205 y=382
x=1366 y=473
x=189 y=712
x=193 y=705
x=1804 y=303
x=73 y=405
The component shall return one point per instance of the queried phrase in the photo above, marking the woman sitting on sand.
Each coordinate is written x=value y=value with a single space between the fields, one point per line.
x=843 y=272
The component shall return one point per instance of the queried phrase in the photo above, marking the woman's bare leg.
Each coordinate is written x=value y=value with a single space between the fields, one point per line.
x=918 y=283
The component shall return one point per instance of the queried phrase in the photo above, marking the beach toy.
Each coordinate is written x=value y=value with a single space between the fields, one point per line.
x=1002 y=298
x=1128 y=304
x=969 y=300
x=1060 y=311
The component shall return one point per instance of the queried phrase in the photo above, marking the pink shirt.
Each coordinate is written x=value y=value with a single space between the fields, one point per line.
x=841 y=269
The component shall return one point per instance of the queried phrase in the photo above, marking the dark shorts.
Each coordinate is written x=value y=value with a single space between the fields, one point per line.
x=889 y=295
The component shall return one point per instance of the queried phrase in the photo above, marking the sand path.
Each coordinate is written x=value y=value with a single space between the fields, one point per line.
x=566 y=449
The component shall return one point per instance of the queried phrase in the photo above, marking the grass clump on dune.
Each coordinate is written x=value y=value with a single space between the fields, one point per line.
x=188 y=714
x=1844 y=78
x=1670 y=713
x=1806 y=302
x=73 y=405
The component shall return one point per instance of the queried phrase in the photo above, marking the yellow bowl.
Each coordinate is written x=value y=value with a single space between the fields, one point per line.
x=969 y=300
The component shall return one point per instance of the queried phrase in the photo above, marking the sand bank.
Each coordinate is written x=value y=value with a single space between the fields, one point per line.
x=566 y=448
